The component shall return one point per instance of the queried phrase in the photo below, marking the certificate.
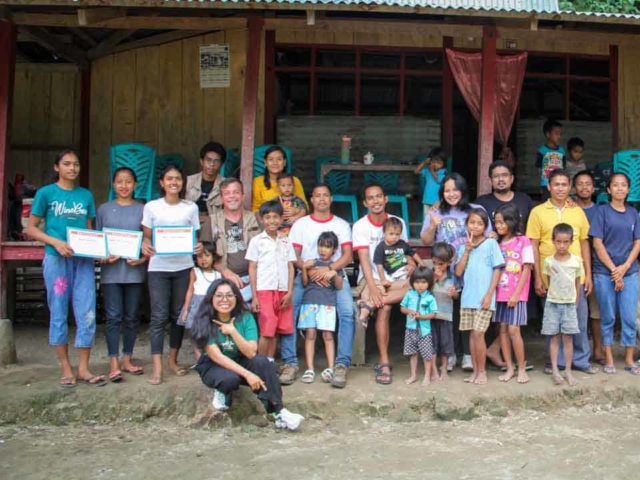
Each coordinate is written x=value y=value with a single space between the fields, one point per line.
x=87 y=243
x=174 y=240
x=123 y=243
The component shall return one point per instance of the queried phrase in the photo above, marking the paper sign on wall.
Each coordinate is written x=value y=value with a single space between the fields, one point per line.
x=214 y=66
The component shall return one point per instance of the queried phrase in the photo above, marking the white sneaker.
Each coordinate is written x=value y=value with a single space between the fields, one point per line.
x=219 y=401
x=451 y=362
x=467 y=364
x=286 y=419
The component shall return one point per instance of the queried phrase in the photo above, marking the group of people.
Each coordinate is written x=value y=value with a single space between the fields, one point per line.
x=261 y=275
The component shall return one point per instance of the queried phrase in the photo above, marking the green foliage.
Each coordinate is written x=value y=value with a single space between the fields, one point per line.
x=601 y=6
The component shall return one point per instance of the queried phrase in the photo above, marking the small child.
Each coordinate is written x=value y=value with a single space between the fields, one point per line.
x=562 y=272
x=479 y=263
x=513 y=289
x=445 y=290
x=271 y=273
x=433 y=171
x=390 y=256
x=201 y=277
x=292 y=205
x=575 y=162
x=551 y=155
x=318 y=309
x=420 y=307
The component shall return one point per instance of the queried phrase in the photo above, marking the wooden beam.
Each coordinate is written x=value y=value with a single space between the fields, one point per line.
x=85 y=125
x=108 y=44
x=137 y=23
x=84 y=36
x=487 y=107
x=158 y=39
x=250 y=106
x=93 y=16
x=69 y=52
x=62 y=38
x=270 y=87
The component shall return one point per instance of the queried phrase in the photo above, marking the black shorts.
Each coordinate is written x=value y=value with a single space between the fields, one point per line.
x=442 y=333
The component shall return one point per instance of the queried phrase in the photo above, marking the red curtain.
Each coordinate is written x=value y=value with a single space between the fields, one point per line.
x=467 y=71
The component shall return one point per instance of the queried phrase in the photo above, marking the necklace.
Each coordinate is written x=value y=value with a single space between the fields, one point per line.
x=204 y=275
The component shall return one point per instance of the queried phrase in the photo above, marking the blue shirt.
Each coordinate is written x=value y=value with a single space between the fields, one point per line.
x=548 y=160
x=431 y=193
x=482 y=261
x=618 y=231
x=62 y=208
x=423 y=303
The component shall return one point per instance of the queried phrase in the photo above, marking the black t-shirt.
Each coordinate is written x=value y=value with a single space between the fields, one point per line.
x=205 y=187
x=521 y=200
x=392 y=257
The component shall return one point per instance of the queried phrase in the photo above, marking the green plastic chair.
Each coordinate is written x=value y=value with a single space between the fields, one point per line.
x=628 y=162
x=259 y=166
x=139 y=158
x=161 y=163
x=231 y=166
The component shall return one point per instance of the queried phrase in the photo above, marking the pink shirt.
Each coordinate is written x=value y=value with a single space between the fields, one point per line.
x=516 y=252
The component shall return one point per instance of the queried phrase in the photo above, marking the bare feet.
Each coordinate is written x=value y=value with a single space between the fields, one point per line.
x=426 y=381
x=509 y=374
x=443 y=373
x=434 y=375
x=472 y=378
x=557 y=379
x=571 y=380
x=522 y=376
x=481 y=379
x=178 y=370
x=495 y=358
x=411 y=379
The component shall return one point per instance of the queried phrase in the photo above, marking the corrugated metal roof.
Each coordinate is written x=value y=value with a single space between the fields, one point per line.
x=628 y=16
x=528 y=6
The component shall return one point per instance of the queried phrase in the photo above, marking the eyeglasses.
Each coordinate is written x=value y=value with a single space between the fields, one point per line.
x=500 y=175
x=223 y=296
x=212 y=161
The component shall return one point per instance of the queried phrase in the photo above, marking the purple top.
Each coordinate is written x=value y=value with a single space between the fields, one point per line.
x=452 y=230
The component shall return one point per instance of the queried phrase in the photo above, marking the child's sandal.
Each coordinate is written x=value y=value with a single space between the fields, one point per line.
x=308 y=377
x=327 y=375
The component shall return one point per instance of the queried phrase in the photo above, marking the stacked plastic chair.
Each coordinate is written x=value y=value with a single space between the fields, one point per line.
x=628 y=162
x=339 y=182
x=160 y=164
x=259 y=166
x=139 y=158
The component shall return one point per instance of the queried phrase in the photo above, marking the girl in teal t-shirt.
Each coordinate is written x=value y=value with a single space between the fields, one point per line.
x=67 y=278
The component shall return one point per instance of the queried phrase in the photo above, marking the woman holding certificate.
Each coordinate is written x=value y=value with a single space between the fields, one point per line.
x=123 y=273
x=64 y=205
x=169 y=226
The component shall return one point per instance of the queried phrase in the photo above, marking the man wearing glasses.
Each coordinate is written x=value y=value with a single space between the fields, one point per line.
x=203 y=188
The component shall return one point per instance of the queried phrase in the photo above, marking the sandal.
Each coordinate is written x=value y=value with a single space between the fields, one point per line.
x=308 y=376
x=67 y=382
x=116 y=376
x=134 y=370
x=360 y=305
x=179 y=371
x=609 y=369
x=155 y=379
x=383 y=378
x=589 y=370
x=95 y=381
x=632 y=369
x=327 y=375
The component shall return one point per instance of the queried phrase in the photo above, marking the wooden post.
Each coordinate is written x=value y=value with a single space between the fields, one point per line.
x=85 y=125
x=613 y=96
x=446 y=130
x=487 y=107
x=250 y=106
x=270 y=88
x=7 y=71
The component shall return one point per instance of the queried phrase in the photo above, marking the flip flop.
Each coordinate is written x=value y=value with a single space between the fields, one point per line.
x=135 y=370
x=180 y=371
x=116 y=376
x=632 y=369
x=67 y=382
x=588 y=370
x=155 y=379
x=609 y=369
x=95 y=381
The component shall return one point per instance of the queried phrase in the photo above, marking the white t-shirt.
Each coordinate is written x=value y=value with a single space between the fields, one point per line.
x=158 y=213
x=368 y=234
x=272 y=257
x=305 y=232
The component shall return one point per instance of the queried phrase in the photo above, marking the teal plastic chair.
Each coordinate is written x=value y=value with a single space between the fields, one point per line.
x=161 y=163
x=231 y=165
x=139 y=158
x=390 y=182
x=339 y=183
x=259 y=166
x=628 y=162
x=601 y=174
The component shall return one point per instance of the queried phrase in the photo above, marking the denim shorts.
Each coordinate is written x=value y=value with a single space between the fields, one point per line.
x=560 y=318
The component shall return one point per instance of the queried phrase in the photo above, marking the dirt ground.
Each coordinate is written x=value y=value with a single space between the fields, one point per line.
x=449 y=430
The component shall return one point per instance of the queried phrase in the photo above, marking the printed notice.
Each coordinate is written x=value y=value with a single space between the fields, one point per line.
x=214 y=66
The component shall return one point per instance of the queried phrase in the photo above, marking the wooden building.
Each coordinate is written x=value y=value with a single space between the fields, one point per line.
x=79 y=74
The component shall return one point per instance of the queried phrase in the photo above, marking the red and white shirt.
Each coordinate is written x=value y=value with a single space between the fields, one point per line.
x=305 y=232
x=368 y=234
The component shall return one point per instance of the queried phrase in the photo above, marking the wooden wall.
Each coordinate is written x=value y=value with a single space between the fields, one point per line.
x=45 y=118
x=628 y=97
x=153 y=96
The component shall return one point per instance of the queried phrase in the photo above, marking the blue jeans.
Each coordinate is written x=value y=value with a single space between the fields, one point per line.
x=70 y=278
x=610 y=301
x=121 y=305
x=581 y=345
x=345 y=325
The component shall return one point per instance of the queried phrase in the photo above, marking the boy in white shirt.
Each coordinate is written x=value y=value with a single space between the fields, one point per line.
x=271 y=258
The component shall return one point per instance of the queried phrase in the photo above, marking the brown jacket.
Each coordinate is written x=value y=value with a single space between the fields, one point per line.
x=194 y=190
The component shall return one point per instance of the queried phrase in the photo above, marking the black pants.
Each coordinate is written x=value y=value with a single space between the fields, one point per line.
x=226 y=381
x=166 y=292
x=121 y=306
x=460 y=339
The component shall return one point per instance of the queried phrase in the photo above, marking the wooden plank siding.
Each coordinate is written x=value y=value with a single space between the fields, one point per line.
x=628 y=97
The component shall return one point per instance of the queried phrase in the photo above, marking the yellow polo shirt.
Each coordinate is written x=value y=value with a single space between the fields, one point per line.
x=546 y=216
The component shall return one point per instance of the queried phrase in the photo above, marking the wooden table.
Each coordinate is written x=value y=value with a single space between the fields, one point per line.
x=361 y=167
